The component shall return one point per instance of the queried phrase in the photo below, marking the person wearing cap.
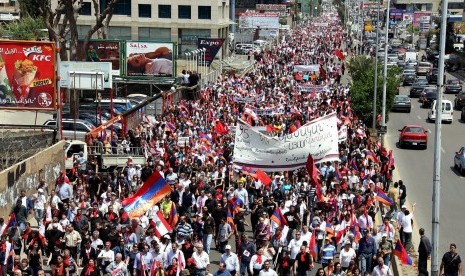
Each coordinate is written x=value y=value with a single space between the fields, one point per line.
x=347 y=255
x=39 y=201
x=366 y=252
x=400 y=215
x=407 y=228
x=201 y=259
x=385 y=249
x=231 y=261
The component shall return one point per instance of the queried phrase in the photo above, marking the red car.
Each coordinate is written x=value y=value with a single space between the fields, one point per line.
x=413 y=135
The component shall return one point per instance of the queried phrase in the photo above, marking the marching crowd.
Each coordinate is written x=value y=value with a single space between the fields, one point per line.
x=297 y=224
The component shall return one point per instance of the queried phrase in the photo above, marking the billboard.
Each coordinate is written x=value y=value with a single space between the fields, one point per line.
x=27 y=75
x=149 y=59
x=212 y=46
x=102 y=51
x=263 y=20
x=270 y=7
x=75 y=66
x=421 y=18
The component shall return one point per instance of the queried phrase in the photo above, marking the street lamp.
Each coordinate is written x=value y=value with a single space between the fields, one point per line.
x=386 y=36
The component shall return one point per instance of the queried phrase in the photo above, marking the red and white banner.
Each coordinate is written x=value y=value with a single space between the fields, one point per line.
x=162 y=226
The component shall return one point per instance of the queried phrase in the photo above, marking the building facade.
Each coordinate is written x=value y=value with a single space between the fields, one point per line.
x=180 y=21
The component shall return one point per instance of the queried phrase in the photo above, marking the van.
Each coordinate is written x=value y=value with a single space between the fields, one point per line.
x=447 y=112
x=72 y=129
x=410 y=56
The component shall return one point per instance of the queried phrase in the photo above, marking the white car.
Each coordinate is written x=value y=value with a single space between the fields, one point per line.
x=447 y=112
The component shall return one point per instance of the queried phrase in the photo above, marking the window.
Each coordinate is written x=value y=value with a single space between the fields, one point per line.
x=119 y=32
x=145 y=10
x=184 y=12
x=146 y=33
x=122 y=7
x=205 y=12
x=164 y=11
x=86 y=8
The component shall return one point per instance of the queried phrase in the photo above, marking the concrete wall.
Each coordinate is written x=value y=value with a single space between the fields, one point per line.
x=46 y=164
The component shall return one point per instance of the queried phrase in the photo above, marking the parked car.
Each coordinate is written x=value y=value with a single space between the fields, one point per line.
x=459 y=160
x=428 y=96
x=417 y=87
x=462 y=115
x=408 y=79
x=459 y=101
x=413 y=135
x=402 y=103
x=72 y=129
x=453 y=87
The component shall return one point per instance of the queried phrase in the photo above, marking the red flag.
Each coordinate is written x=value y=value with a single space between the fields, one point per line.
x=264 y=177
x=339 y=235
x=339 y=54
x=322 y=72
x=220 y=128
x=313 y=246
x=269 y=128
x=313 y=172
x=292 y=129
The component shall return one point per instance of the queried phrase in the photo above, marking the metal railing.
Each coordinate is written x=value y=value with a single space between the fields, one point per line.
x=209 y=78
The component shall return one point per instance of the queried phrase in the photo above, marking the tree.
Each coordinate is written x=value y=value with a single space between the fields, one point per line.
x=27 y=28
x=61 y=21
x=449 y=35
x=361 y=70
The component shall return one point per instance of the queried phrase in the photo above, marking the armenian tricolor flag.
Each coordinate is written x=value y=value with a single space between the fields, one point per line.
x=152 y=192
x=313 y=246
x=173 y=217
x=278 y=218
x=400 y=252
x=382 y=197
x=11 y=222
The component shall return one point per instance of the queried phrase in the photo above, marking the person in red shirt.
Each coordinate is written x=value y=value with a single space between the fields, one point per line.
x=90 y=269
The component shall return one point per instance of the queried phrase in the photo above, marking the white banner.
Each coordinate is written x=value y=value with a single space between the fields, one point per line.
x=342 y=134
x=262 y=20
x=91 y=67
x=323 y=24
x=289 y=152
x=307 y=68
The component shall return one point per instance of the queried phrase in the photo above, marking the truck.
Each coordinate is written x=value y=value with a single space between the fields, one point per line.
x=412 y=56
x=108 y=160
x=104 y=161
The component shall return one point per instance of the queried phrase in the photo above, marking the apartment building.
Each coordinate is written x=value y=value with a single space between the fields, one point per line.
x=9 y=10
x=181 y=21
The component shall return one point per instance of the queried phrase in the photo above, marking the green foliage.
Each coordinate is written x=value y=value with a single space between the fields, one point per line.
x=29 y=8
x=411 y=29
x=27 y=28
x=361 y=69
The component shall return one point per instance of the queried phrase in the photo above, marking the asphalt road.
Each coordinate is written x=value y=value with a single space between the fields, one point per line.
x=415 y=168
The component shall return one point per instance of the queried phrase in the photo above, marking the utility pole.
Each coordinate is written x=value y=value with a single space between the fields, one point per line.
x=375 y=92
x=386 y=37
x=437 y=145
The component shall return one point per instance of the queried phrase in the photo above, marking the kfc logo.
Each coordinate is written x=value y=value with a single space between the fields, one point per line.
x=32 y=50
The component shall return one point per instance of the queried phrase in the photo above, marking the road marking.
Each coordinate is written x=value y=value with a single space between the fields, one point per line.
x=442 y=149
x=418 y=116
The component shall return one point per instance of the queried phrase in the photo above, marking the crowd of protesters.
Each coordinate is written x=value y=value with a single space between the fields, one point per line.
x=84 y=230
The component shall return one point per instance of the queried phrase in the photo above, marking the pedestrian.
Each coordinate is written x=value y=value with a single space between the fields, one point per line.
x=202 y=261
x=231 y=261
x=246 y=251
x=303 y=262
x=366 y=252
x=267 y=271
x=381 y=269
x=407 y=228
x=424 y=253
x=451 y=264
x=328 y=253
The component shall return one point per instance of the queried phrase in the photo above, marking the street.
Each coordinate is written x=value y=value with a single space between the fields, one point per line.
x=415 y=168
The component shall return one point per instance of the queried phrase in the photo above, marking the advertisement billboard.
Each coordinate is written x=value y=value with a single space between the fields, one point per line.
x=263 y=20
x=212 y=46
x=421 y=18
x=27 y=75
x=102 y=51
x=149 y=59
x=76 y=66
x=270 y=7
